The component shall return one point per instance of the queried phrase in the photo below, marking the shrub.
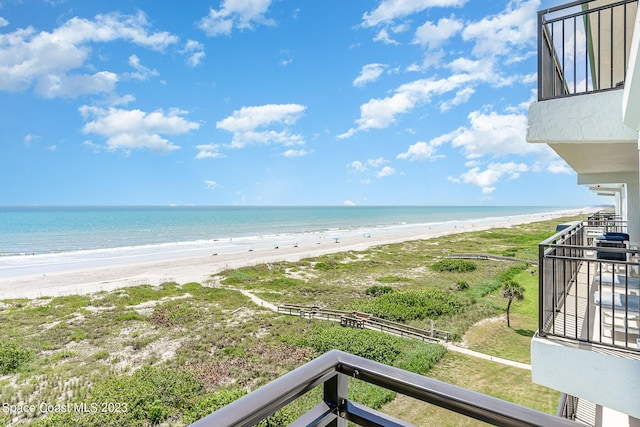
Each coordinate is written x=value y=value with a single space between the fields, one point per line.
x=512 y=272
x=12 y=357
x=454 y=265
x=211 y=403
x=376 y=290
x=324 y=266
x=280 y=283
x=420 y=359
x=131 y=315
x=149 y=396
x=393 y=279
x=238 y=278
x=368 y=344
x=409 y=305
x=461 y=285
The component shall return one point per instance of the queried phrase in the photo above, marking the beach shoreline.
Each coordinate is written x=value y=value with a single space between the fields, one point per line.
x=89 y=276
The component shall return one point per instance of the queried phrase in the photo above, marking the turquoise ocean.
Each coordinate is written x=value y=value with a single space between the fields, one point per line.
x=57 y=230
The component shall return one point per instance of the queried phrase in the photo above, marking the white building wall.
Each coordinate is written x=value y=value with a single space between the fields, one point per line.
x=588 y=118
x=613 y=382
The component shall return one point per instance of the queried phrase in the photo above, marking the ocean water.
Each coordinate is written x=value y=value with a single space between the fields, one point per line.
x=107 y=231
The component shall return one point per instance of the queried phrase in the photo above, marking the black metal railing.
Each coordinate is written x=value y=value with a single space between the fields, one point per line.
x=333 y=370
x=589 y=285
x=583 y=47
x=568 y=407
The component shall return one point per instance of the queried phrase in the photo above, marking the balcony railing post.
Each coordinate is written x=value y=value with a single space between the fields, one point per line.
x=335 y=396
x=541 y=306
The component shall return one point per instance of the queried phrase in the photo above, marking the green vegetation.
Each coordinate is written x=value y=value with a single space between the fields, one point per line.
x=12 y=357
x=511 y=290
x=376 y=291
x=410 y=305
x=174 y=353
x=454 y=265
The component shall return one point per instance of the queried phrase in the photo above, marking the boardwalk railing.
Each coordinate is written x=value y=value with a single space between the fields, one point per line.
x=365 y=321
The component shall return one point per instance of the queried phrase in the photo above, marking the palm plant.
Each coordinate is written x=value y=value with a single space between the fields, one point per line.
x=511 y=289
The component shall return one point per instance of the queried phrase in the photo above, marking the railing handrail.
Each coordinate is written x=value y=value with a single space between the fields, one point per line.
x=581 y=12
x=333 y=369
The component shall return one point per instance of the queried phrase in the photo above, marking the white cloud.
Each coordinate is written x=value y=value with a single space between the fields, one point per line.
x=369 y=74
x=195 y=59
x=241 y=14
x=295 y=153
x=420 y=151
x=432 y=59
x=559 y=166
x=358 y=166
x=287 y=59
x=3 y=22
x=51 y=61
x=210 y=185
x=434 y=35
x=194 y=51
x=503 y=35
x=245 y=122
x=384 y=37
x=29 y=138
x=496 y=35
x=142 y=72
x=486 y=179
x=349 y=203
x=380 y=113
x=135 y=129
x=462 y=96
x=386 y=171
x=389 y=10
x=377 y=162
x=208 y=151
x=496 y=135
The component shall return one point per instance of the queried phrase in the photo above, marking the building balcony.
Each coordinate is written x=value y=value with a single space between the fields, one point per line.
x=588 y=339
x=584 y=47
x=588 y=108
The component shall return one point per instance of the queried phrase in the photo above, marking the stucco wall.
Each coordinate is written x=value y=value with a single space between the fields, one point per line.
x=599 y=378
x=595 y=117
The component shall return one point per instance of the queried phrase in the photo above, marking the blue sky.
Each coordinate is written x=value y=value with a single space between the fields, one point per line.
x=273 y=102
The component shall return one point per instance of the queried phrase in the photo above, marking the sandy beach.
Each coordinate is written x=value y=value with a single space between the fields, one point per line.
x=39 y=279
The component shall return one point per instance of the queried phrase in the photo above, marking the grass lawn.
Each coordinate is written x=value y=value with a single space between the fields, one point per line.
x=496 y=339
x=504 y=382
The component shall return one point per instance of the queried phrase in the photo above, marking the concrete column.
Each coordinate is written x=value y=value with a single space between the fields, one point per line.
x=633 y=211
x=618 y=202
x=633 y=206
x=623 y=201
